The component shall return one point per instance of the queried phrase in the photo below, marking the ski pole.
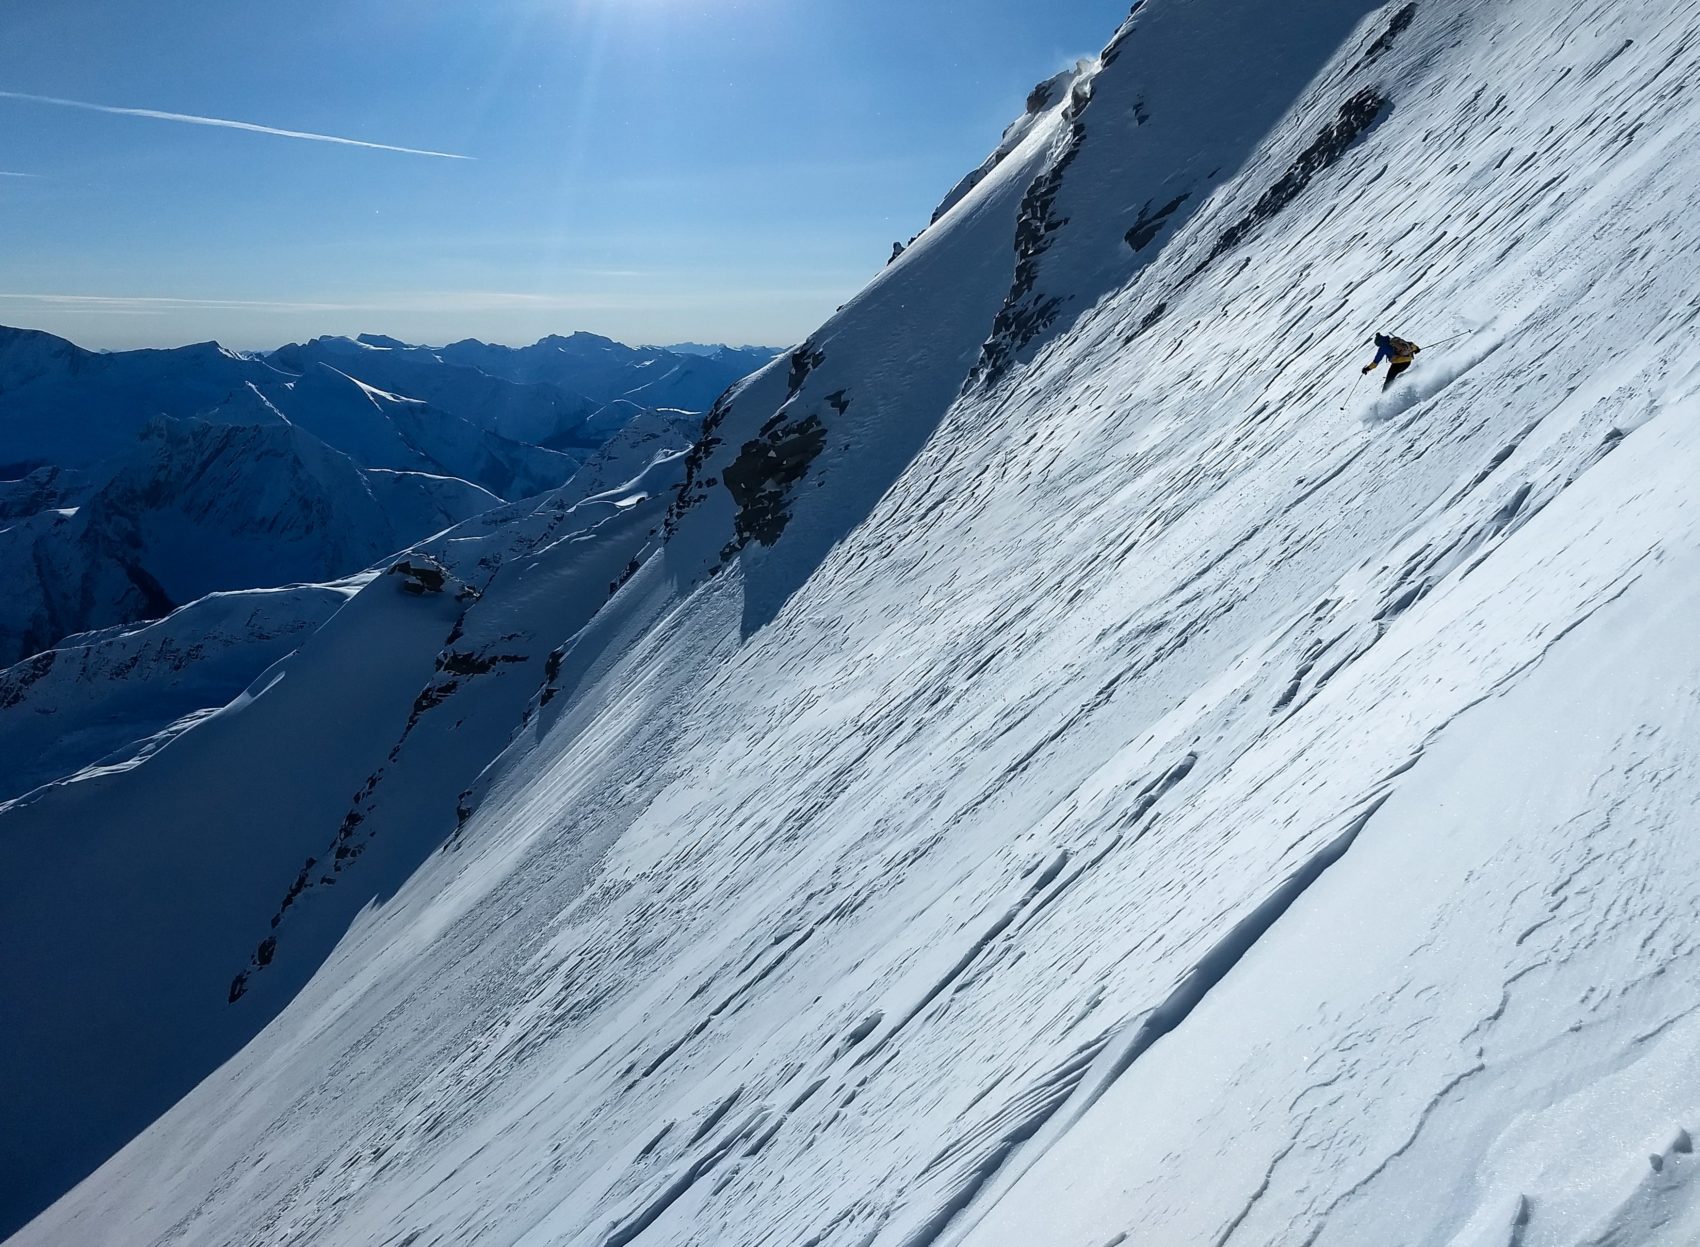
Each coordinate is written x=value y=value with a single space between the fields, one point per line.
x=1453 y=338
x=1353 y=392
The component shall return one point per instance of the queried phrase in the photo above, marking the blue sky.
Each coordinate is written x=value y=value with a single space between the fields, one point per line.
x=655 y=170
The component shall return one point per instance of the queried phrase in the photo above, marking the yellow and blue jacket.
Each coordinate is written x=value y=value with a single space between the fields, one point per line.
x=1396 y=349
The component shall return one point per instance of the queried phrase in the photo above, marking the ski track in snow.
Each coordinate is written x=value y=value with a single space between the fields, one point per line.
x=1180 y=811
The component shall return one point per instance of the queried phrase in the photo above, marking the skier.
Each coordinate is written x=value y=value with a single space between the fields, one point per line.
x=1399 y=351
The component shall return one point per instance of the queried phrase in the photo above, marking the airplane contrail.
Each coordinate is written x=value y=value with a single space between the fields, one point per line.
x=193 y=120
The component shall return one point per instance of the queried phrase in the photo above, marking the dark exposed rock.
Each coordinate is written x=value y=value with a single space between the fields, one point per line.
x=302 y=881
x=1022 y=317
x=551 y=673
x=1040 y=97
x=694 y=488
x=18 y=678
x=430 y=699
x=456 y=662
x=1357 y=116
x=760 y=479
x=421 y=574
x=626 y=573
x=1026 y=314
x=1150 y=224
x=1149 y=319
x=1399 y=25
x=804 y=360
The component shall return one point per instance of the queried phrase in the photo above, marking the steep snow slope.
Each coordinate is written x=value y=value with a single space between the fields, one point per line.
x=1073 y=773
x=149 y=881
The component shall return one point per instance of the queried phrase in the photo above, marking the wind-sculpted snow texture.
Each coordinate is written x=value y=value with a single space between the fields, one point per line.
x=1140 y=794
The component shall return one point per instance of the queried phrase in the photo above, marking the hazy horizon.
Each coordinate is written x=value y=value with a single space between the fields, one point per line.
x=681 y=346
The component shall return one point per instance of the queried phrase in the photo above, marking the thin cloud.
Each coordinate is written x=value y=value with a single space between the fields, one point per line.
x=7 y=173
x=223 y=123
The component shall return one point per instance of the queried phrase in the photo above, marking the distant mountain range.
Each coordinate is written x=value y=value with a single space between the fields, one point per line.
x=134 y=482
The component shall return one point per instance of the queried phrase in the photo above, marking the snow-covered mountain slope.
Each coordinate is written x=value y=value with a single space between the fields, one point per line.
x=45 y=489
x=691 y=382
x=645 y=438
x=536 y=413
x=378 y=429
x=199 y=507
x=318 y=469
x=1067 y=770
x=109 y=699
x=532 y=394
x=517 y=429
x=605 y=370
x=756 y=355
x=1040 y=101
x=63 y=406
x=194 y=852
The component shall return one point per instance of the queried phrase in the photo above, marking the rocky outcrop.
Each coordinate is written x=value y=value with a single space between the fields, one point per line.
x=1357 y=116
x=44 y=489
x=761 y=477
x=1026 y=313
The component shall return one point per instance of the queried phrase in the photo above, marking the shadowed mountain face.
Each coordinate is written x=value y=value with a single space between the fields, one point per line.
x=201 y=507
x=605 y=370
x=1051 y=763
x=66 y=406
x=144 y=479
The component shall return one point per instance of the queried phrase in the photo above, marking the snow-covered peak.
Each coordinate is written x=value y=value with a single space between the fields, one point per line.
x=26 y=355
x=1050 y=94
x=579 y=340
